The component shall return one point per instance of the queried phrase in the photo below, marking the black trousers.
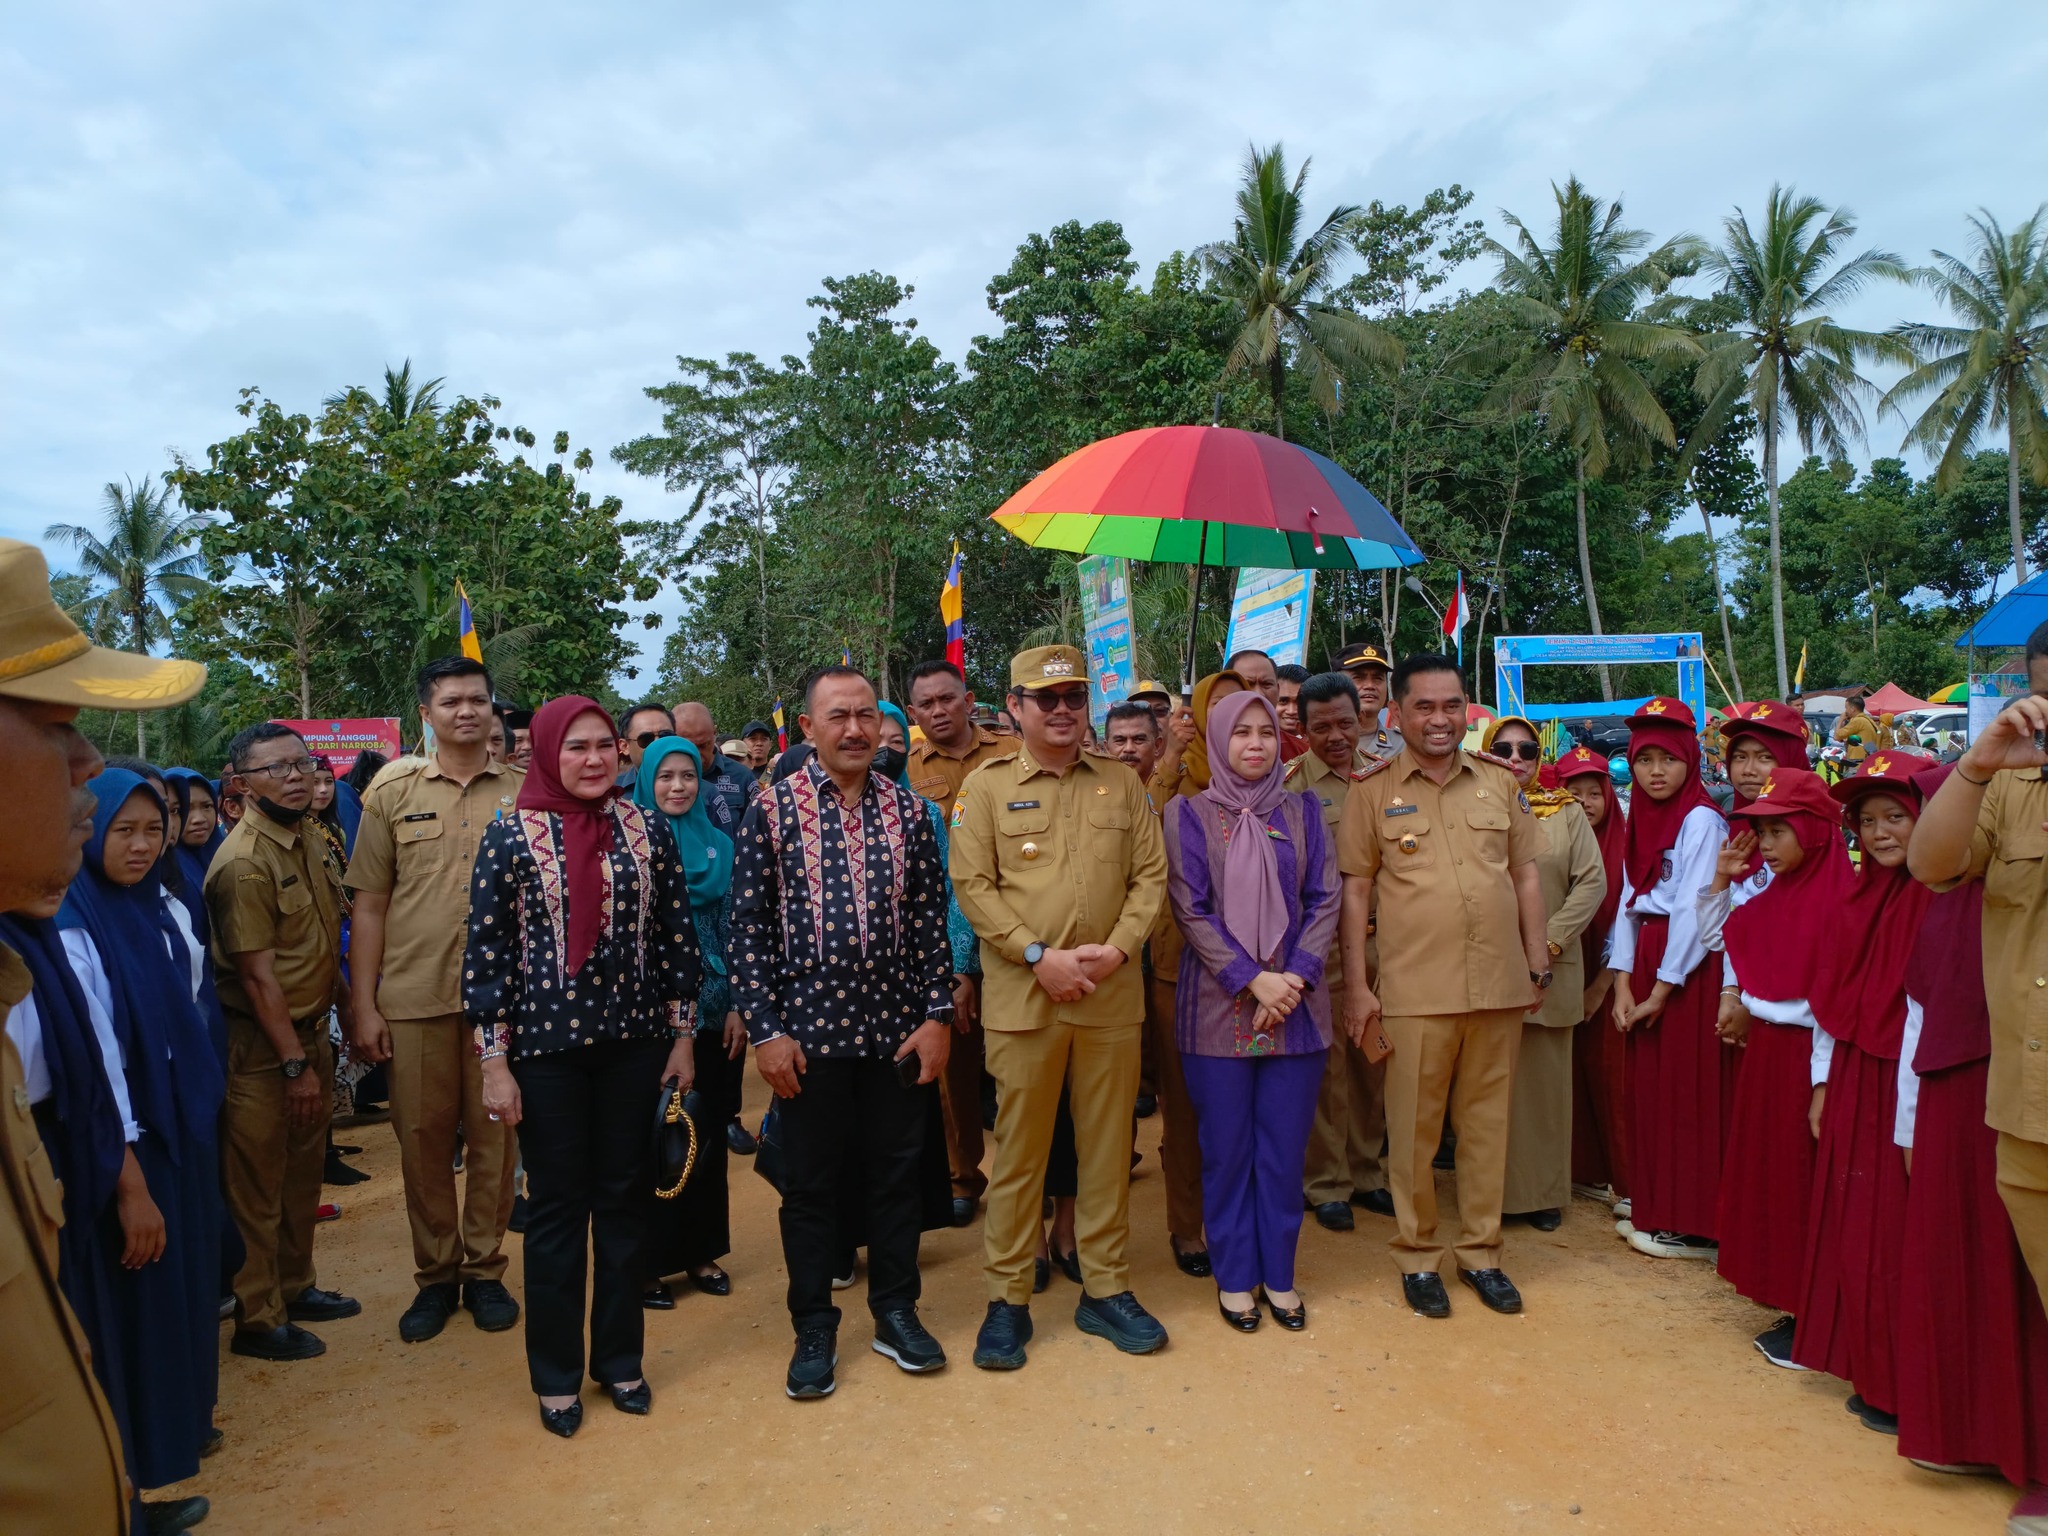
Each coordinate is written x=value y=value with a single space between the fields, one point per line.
x=586 y=1132
x=851 y=1115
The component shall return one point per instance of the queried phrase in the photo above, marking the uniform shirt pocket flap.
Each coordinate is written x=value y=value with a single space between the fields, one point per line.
x=295 y=897
x=1023 y=823
x=1487 y=818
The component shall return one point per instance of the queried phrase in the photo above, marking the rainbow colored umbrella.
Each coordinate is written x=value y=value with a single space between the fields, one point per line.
x=1209 y=496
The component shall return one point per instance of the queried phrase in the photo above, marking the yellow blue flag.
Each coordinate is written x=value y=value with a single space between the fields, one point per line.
x=471 y=646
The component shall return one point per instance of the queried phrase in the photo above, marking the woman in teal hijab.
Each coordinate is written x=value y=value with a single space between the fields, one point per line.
x=692 y=1232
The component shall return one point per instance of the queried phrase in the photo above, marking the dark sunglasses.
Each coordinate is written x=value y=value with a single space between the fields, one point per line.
x=1527 y=751
x=647 y=739
x=1050 y=699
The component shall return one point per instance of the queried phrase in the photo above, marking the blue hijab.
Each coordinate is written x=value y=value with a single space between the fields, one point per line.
x=91 y=1141
x=194 y=862
x=175 y=1081
x=706 y=851
x=903 y=773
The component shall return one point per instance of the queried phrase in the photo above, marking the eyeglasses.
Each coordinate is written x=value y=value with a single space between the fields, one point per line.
x=1050 y=699
x=298 y=767
x=1527 y=751
x=647 y=739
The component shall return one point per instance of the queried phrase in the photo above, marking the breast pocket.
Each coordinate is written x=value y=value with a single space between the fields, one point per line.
x=1109 y=831
x=1406 y=843
x=2014 y=877
x=422 y=847
x=1024 y=841
x=1488 y=826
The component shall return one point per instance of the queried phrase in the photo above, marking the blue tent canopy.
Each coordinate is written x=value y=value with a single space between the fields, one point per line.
x=2011 y=619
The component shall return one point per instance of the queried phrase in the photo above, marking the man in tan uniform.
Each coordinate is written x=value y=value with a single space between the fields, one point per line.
x=60 y=1453
x=1447 y=842
x=1368 y=668
x=414 y=853
x=1058 y=863
x=941 y=706
x=275 y=902
x=1343 y=1165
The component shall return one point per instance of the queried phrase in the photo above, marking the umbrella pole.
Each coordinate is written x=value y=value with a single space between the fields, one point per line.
x=1187 y=687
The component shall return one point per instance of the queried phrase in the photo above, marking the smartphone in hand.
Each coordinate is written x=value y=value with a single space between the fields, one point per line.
x=909 y=1069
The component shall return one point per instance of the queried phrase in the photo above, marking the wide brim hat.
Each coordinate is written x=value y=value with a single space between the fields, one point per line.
x=47 y=659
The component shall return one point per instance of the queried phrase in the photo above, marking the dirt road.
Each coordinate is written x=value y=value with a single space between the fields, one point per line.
x=1625 y=1399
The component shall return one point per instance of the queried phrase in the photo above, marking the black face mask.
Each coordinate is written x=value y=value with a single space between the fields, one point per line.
x=889 y=761
x=279 y=814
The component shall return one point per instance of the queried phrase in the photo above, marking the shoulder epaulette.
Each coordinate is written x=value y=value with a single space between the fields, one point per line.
x=1488 y=757
x=1362 y=774
x=1288 y=772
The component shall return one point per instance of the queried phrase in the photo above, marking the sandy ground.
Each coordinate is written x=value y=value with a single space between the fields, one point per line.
x=1626 y=1398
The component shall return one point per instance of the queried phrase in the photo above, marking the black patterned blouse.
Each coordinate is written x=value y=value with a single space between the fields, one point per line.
x=635 y=983
x=839 y=917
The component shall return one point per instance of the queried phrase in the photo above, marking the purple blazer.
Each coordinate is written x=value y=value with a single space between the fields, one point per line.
x=1212 y=1016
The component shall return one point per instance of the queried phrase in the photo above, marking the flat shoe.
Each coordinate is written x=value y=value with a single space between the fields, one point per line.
x=1070 y=1265
x=1041 y=1275
x=1195 y=1263
x=562 y=1421
x=717 y=1283
x=658 y=1297
x=1547 y=1220
x=634 y=1400
x=1293 y=1319
x=1243 y=1322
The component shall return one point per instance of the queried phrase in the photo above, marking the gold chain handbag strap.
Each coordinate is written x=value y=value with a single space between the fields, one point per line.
x=672 y=1111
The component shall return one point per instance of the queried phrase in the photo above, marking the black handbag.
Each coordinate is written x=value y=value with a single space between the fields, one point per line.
x=768 y=1151
x=675 y=1138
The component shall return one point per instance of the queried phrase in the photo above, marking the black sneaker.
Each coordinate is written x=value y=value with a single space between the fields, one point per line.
x=518 y=1221
x=1873 y=1417
x=901 y=1337
x=1122 y=1321
x=1004 y=1333
x=491 y=1305
x=339 y=1172
x=1775 y=1344
x=313 y=1305
x=1148 y=1105
x=741 y=1140
x=810 y=1368
x=429 y=1312
x=287 y=1341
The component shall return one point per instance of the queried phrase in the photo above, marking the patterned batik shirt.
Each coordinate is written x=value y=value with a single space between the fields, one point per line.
x=646 y=966
x=839 y=917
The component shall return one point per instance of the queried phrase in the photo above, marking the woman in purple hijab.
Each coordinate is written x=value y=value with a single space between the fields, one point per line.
x=1255 y=890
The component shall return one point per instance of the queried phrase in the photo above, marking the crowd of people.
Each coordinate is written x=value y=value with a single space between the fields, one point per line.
x=1333 y=950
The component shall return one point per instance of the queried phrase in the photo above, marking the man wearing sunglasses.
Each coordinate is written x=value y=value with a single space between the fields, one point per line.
x=644 y=725
x=1058 y=862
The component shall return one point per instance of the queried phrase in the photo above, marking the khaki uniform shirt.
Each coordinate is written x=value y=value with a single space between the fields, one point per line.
x=1574 y=885
x=2009 y=852
x=1060 y=860
x=938 y=775
x=1331 y=788
x=1870 y=736
x=1449 y=928
x=269 y=888
x=417 y=845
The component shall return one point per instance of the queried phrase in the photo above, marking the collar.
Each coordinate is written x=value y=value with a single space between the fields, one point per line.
x=283 y=836
x=826 y=787
x=1313 y=768
x=492 y=766
x=15 y=980
x=1407 y=765
x=983 y=737
x=1033 y=766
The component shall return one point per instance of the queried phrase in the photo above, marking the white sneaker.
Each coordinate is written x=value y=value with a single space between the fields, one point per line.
x=1673 y=1245
x=1624 y=1229
x=1604 y=1193
x=1624 y=1209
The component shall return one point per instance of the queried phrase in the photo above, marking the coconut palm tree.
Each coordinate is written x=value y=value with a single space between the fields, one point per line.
x=1992 y=370
x=401 y=400
x=1279 y=282
x=1786 y=355
x=1592 y=303
x=144 y=568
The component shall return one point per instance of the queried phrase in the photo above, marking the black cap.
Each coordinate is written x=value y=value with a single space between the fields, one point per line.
x=1363 y=654
x=758 y=725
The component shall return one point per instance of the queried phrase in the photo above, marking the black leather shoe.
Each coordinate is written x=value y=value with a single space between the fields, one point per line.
x=1446 y=1158
x=1379 y=1201
x=1425 y=1293
x=429 y=1313
x=160 y=1517
x=1548 y=1220
x=717 y=1283
x=1873 y=1418
x=899 y=1336
x=286 y=1341
x=740 y=1139
x=1243 y=1322
x=1194 y=1263
x=810 y=1367
x=1069 y=1263
x=1122 y=1321
x=338 y=1172
x=1147 y=1106
x=1041 y=1275
x=1494 y=1288
x=1004 y=1333
x=562 y=1421
x=658 y=1297
x=491 y=1305
x=313 y=1305
x=518 y=1221
x=635 y=1400
x=1335 y=1216
x=963 y=1210
x=214 y=1440
x=1293 y=1319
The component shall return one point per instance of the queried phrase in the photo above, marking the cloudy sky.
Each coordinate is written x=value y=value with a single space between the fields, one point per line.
x=548 y=203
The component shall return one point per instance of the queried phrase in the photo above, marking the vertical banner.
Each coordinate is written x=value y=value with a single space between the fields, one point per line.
x=1106 y=631
x=1990 y=692
x=1270 y=613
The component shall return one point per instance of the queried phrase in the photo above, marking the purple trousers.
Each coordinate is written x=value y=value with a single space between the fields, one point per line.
x=1253 y=1115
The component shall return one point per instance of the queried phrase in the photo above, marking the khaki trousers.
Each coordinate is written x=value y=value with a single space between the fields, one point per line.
x=960 y=1099
x=2023 y=1185
x=270 y=1170
x=1351 y=1120
x=1180 y=1147
x=1465 y=1061
x=1099 y=1062
x=437 y=1083
x=1539 y=1175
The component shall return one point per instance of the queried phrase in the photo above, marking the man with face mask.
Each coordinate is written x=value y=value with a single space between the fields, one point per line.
x=276 y=910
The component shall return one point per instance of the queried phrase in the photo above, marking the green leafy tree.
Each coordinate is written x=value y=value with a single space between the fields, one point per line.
x=144 y=565
x=1589 y=301
x=1991 y=371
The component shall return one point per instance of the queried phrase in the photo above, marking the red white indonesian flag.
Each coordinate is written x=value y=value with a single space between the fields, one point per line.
x=1456 y=617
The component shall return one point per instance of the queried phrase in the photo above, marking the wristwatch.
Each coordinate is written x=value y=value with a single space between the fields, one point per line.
x=1033 y=953
x=1556 y=949
x=292 y=1067
x=1541 y=978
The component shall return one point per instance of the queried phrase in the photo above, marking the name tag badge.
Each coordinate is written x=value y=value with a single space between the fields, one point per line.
x=288 y=882
x=421 y=816
x=1401 y=810
x=1022 y=805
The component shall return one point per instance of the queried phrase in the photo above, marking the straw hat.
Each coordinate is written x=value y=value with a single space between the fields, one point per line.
x=46 y=658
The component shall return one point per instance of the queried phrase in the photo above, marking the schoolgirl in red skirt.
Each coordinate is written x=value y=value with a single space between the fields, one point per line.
x=1599 y=1054
x=1681 y=1077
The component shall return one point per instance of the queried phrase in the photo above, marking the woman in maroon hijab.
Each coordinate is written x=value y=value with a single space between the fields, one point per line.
x=1971 y=1339
x=1849 y=1290
x=581 y=954
x=1599 y=1055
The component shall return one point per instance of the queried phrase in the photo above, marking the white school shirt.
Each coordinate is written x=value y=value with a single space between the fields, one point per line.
x=1715 y=908
x=1909 y=1080
x=1675 y=895
x=91 y=972
x=25 y=1029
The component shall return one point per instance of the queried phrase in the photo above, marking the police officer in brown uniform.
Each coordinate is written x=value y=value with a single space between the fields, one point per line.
x=1343 y=1165
x=1058 y=862
x=60 y=1453
x=1367 y=666
x=1447 y=842
x=954 y=746
x=414 y=855
x=275 y=903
